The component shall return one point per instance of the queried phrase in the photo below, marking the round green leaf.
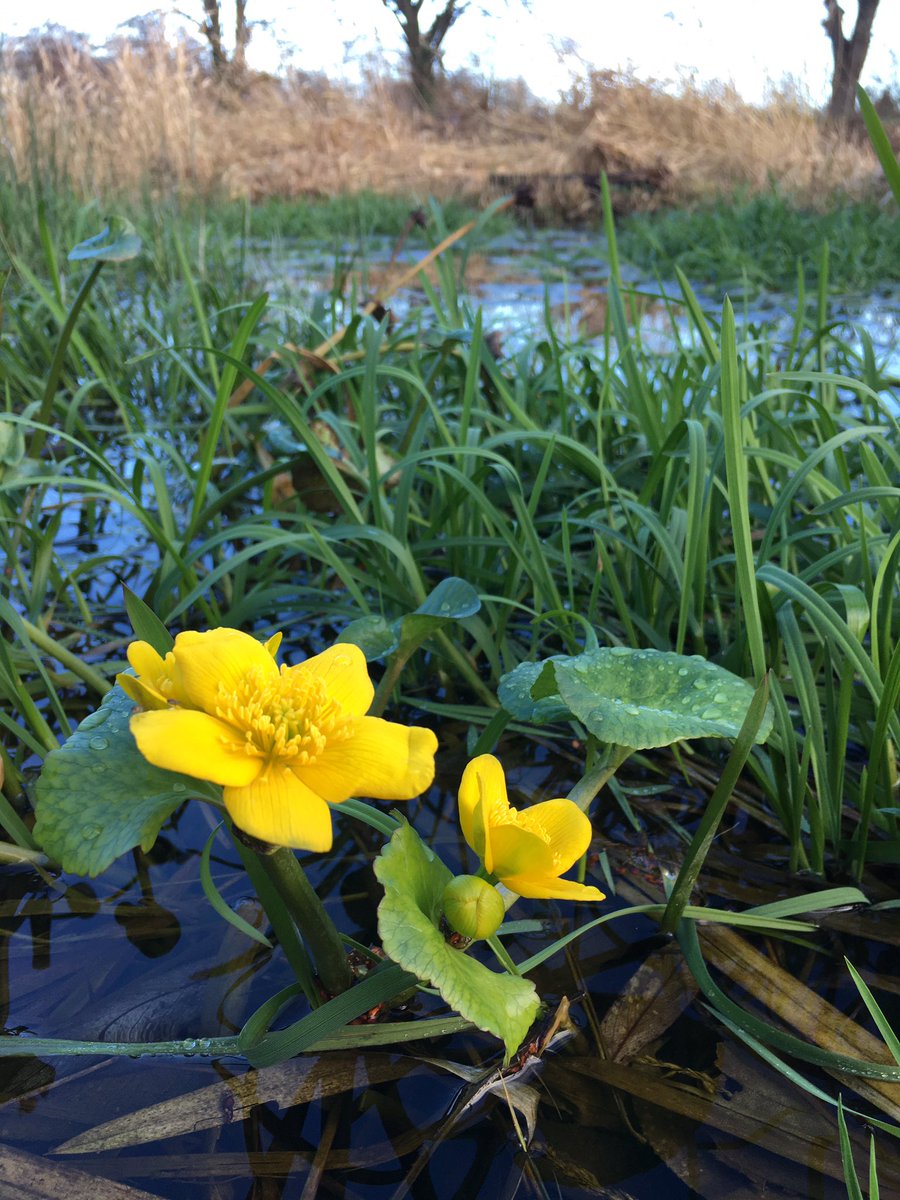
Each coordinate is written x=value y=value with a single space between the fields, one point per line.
x=647 y=698
x=514 y=694
x=374 y=635
x=98 y=797
x=452 y=600
x=409 y=926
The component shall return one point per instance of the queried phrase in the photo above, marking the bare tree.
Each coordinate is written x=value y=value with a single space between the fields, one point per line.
x=423 y=46
x=849 y=55
x=211 y=29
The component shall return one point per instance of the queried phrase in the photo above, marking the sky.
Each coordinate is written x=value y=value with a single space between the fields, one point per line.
x=750 y=44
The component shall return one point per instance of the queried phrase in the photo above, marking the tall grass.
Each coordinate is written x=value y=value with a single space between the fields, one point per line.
x=735 y=498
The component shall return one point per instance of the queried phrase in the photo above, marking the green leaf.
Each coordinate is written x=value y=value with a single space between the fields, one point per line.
x=881 y=143
x=452 y=600
x=647 y=698
x=374 y=635
x=515 y=694
x=408 y=922
x=146 y=624
x=98 y=797
x=117 y=242
x=12 y=443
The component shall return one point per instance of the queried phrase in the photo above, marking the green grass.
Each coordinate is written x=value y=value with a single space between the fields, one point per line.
x=735 y=498
x=759 y=242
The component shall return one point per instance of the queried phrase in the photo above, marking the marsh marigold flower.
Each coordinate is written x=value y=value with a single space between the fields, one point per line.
x=528 y=849
x=281 y=742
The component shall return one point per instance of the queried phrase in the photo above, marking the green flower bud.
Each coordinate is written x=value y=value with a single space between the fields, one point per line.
x=473 y=907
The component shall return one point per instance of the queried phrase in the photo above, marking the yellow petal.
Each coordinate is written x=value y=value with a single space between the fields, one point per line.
x=145 y=660
x=518 y=851
x=565 y=826
x=203 y=661
x=181 y=739
x=343 y=670
x=381 y=759
x=278 y=808
x=138 y=691
x=273 y=643
x=550 y=888
x=482 y=778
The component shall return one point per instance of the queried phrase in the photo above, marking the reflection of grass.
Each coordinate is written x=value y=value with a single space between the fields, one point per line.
x=762 y=238
x=568 y=483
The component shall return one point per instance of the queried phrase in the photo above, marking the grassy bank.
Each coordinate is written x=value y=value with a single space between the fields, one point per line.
x=760 y=242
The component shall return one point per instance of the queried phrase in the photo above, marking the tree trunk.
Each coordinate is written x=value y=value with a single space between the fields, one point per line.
x=242 y=33
x=212 y=31
x=849 y=55
x=423 y=47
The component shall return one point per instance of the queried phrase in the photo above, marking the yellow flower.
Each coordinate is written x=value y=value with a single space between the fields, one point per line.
x=528 y=850
x=282 y=742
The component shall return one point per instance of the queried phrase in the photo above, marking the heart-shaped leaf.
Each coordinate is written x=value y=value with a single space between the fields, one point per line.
x=452 y=600
x=647 y=698
x=515 y=695
x=98 y=797
x=116 y=243
x=375 y=636
x=409 y=925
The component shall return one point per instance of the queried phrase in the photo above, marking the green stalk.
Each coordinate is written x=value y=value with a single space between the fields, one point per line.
x=51 y=646
x=592 y=781
x=318 y=930
x=40 y=435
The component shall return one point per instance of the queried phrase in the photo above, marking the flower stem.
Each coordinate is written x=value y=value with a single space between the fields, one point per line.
x=308 y=912
x=593 y=780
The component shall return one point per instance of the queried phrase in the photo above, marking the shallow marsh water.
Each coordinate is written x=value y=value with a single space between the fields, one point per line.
x=649 y=1100
x=520 y=279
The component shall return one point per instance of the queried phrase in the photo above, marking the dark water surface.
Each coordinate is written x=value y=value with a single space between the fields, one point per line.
x=138 y=954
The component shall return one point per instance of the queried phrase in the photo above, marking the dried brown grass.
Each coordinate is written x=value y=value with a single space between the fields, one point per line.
x=152 y=118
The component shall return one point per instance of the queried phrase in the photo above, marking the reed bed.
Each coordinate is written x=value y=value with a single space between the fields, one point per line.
x=148 y=119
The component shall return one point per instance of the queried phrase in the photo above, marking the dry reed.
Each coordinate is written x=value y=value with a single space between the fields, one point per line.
x=151 y=118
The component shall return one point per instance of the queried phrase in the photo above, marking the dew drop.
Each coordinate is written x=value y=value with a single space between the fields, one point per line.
x=632 y=710
x=619 y=651
x=99 y=743
x=90 y=832
x=177 y=786
x=711 y=714
x=700 y=684
x=204 y=1045
x=721 y=698
x=683 y=671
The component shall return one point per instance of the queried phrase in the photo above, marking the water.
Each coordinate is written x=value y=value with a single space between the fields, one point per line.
x=519 y=279
x=138 y=954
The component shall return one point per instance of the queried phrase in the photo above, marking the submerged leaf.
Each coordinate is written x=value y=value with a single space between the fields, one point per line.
x=287 y=1085
x=98 y=797
x=408 y=923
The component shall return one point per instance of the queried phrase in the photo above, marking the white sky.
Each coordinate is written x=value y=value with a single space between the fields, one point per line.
x=749 y=44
